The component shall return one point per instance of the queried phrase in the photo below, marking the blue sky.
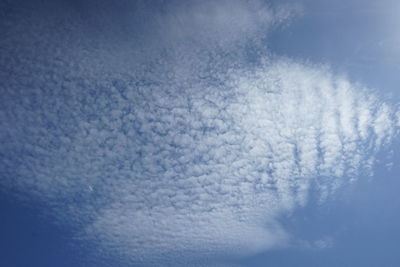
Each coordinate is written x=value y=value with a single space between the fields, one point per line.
x=199 y=133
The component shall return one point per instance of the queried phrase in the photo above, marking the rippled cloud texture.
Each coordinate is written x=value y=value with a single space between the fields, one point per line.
x=168 y=132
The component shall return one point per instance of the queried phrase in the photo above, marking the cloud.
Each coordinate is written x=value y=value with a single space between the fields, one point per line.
x=191 y=151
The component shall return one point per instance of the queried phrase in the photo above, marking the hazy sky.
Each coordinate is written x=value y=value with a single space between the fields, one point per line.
x=199 y=133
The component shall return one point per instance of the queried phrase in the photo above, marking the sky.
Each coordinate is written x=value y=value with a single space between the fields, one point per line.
x=199 y=133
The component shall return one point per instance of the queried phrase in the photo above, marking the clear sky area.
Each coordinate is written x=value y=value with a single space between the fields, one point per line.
x=199 y=133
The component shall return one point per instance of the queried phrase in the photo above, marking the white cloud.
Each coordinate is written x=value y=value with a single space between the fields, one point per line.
x=195 y=155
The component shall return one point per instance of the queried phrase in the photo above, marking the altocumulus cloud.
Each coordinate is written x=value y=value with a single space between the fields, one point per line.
x=168 y=131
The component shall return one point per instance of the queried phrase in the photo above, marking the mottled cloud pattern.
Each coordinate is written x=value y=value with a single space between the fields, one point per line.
x=156 y=142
